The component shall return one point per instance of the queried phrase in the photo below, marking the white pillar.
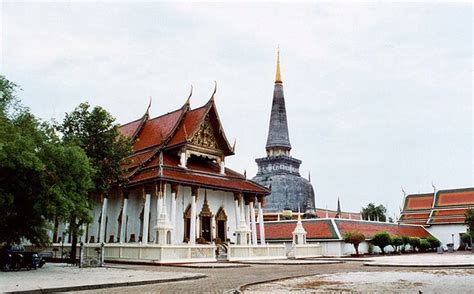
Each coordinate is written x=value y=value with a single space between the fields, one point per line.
x=123 y=238
x=182 y=159
x=254 y=226
x=146 y=219
x=173 y=214
x=102 y=221
x=213 y=227
x=237 y=212
x=247 y=215
x=260 y=223
x=192 y=229
x=222 y=167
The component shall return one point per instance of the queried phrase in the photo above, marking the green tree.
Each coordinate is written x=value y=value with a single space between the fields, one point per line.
x=354 y=238
x=397 y=241
x=406 y=241
x=466 y=239
x=95 y=131
x=382 y=239
x=372 y=212
x=414 y=243
x=469 y=219
x=38 y=177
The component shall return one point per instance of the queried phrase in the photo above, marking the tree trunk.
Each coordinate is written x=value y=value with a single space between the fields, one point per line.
x=356 y=246
x=73 y=232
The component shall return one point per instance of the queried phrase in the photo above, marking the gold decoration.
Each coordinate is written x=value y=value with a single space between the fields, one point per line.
x=204 y=137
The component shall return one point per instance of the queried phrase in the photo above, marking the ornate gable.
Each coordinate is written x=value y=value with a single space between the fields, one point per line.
x=204 y=137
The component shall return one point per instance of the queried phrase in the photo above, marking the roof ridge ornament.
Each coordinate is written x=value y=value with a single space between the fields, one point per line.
x=188 y=101
x=215 y=90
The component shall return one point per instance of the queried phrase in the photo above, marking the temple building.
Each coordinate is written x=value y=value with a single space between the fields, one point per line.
x=442 y=212
x=178 y=189
x=279 y=171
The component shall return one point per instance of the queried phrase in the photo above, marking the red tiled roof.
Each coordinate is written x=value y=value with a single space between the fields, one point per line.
x=188 y=125
x=137 y=158
x=315 y=229
x=450 y=212
x=456 y=197
x=156 y=130
x=418 y=201
x=129 y=129
x=371 y=228
x=416 y=215
x=444 y=220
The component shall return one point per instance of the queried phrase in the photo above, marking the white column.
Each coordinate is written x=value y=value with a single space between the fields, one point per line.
x=173 y=214
x=182 y=159
x=102 y=221
x=192 y=229
x=146 y=219
x=213 y=227
x=123 y=238
x=222 y=167
x=260 y=223
x=247 y=215
x=237 y=212
x=254 y=226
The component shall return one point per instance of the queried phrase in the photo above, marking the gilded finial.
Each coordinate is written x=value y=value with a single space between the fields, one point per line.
x=189 y=97
x=147 y=112
x=278 y=74
x=215 y=90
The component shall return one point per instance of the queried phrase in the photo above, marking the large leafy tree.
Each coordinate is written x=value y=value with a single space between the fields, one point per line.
x=372 y=212
x=40 y=177
x=95 y=131
x=354 y=238
x=469 y=220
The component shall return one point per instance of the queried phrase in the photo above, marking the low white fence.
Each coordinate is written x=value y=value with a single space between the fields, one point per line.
x=256 y=252
x=135 y=252
x=307 y=250
x=152 y=253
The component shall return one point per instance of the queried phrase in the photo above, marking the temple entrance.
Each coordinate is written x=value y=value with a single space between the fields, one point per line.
x=221 y=224
x=206 y=228
x=206 y=218
x=187 y=224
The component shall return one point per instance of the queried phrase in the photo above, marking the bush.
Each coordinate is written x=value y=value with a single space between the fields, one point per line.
x=396 y=242
x=424 y=245
x=434 y=243
x=414 y=243
x=382 y=239
x=406 y=241
x=354 y=238
x=466 y=239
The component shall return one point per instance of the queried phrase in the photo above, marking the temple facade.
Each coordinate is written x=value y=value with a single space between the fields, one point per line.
x=178 y=189
x=279 y=171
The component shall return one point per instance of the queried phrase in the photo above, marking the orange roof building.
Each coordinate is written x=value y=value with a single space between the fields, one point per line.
x=441 y=212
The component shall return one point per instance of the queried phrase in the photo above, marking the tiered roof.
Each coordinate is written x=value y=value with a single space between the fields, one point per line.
x=167 y=135
x=334 y=229
x=442 y=207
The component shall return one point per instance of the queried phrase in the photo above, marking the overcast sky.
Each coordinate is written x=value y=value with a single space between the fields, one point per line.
x=378 y=96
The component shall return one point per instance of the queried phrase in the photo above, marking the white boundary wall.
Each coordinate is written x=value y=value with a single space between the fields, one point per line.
x=256 y=252
x=307 y=250
x=445 y=233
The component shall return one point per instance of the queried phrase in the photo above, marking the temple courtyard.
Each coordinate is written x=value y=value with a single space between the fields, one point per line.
x=432 y=273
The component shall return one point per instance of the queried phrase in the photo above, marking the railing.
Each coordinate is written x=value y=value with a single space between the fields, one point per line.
x=256 y=252
x=307 y=250
x=149 y=253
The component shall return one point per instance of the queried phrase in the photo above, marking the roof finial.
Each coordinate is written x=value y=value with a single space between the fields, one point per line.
x=147 y=112
x=189 y=97
x=215 y=90
x=278 y=74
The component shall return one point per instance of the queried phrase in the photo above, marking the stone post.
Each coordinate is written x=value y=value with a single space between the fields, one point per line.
x=123 y=238
x=146 y=219
x=192 y=229
x=174 y=192
x=102 y=221
x=254 y=226
x=237 y=209
x=260 y=221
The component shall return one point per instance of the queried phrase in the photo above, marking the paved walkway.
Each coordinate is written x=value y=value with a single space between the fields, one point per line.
x=61 y=277
x=291 y=261
x=226 y=279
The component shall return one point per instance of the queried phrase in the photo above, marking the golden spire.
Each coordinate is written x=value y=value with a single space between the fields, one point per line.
x=278 y=74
